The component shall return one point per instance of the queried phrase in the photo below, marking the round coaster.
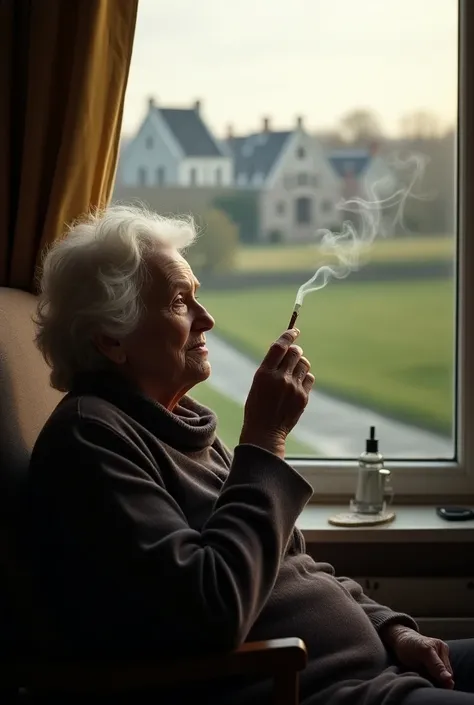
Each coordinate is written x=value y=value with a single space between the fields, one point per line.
x=351 y=519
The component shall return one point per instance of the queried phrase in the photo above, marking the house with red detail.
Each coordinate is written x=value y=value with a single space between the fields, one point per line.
x=363 y=173
x=299 y=184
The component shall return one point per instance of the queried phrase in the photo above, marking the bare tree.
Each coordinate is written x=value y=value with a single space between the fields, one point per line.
x=332 y=139
x=420 y=125
x=360 y=126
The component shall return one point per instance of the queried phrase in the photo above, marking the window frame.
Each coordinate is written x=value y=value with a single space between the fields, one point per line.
x=425 y=481
x=301 y=152
x=280 y=207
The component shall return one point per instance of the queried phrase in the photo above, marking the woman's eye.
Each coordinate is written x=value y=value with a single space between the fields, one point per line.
x=179 y=301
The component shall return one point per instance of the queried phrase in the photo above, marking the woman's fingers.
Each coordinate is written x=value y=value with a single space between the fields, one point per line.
x=437 y=668
x=308 y=382
x=444 y=655
x=302 y=368
x=303 y=374
x=291 y=359
x=279 y=349
x=278 y=395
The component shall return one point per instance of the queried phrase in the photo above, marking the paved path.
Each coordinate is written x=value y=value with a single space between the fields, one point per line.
x=334 y=428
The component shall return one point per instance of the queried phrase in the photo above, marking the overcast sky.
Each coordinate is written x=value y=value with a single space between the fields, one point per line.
x=319 y=58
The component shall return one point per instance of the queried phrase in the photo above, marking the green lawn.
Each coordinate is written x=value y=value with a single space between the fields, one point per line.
x=229 y=414
x=304 y=257
x=385 y=345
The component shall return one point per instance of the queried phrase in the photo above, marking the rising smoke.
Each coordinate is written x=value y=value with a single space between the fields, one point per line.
x=347 y=251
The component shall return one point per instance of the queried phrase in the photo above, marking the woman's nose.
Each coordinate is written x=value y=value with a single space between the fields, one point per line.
x=204 y=321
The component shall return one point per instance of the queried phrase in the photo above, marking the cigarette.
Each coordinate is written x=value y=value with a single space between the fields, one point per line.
x=294 y=316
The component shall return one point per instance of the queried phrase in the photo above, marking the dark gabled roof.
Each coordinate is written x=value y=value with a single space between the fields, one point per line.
x=349 y=162
x=256 y=154
x=190 y=132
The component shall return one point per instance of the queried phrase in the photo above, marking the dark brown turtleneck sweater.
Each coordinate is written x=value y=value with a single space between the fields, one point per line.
x=149 y=537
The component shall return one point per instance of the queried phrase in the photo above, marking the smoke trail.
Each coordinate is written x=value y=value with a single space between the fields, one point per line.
x=349 y=249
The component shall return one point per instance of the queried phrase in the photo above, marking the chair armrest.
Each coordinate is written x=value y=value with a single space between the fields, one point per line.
x=262 y=658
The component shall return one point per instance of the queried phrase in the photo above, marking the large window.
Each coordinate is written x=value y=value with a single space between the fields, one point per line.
x=389 y=342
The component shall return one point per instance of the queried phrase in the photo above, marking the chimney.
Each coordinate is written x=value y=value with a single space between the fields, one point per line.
x=151 y=103
x=299 y=122
x=230 y=132
x=197 y=106
x=266 y=125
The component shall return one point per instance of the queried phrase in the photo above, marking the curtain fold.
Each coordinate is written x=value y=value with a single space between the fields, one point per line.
x=63 y=73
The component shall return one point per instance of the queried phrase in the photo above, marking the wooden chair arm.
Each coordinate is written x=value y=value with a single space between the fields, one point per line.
x=262 y=658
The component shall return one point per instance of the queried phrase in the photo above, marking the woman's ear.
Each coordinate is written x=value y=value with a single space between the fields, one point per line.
x=111 y=349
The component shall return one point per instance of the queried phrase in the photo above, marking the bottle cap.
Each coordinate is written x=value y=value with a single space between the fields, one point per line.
x=372 y=444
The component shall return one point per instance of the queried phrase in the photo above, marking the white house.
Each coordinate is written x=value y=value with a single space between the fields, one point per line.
x=174 y=147
x=298 y=186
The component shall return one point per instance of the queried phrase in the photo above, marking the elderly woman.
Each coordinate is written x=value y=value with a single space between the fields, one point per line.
x=150 y=536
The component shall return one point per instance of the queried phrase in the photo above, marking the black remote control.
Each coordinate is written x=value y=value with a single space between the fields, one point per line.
x=455 y=513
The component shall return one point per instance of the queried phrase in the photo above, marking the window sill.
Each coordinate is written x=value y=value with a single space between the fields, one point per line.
x=418 y=524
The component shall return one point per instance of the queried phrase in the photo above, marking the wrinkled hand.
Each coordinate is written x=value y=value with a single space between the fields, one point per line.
x=421 y=654
x=278 y=396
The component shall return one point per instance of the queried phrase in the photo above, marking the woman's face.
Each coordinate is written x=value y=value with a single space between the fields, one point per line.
x=166 y=355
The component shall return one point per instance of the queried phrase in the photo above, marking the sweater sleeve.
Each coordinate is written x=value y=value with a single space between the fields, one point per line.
x=205 y=588
x=379 y=615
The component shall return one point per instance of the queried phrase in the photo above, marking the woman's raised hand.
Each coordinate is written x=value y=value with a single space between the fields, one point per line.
x=278 y=396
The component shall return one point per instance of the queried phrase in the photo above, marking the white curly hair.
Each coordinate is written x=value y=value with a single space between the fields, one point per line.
x=91 y=282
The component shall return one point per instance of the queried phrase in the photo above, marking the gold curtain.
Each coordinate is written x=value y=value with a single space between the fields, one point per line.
x=63 y=73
